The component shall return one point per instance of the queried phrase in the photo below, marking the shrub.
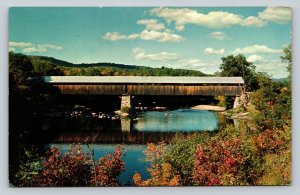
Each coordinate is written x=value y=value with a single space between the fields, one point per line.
x=277 y=169
x=161 y=173
x=273 y=101
x=109 y=168
x=219 y=163
x=74 y=168
x=180 y=154
x=269 y=141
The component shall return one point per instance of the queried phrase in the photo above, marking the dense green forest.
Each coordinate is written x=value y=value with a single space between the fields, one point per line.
x=50 y=66
x=257 y=153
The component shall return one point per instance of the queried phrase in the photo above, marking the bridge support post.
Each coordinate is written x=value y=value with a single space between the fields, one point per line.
x=125 y=103
x=125 y=124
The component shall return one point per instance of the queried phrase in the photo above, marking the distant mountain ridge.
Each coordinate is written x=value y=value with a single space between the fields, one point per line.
x=84 y=65
x=280 y=80
x=92 y=69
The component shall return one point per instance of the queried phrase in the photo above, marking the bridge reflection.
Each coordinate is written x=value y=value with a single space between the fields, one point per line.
x=80 y=130
x=112 y=137
x=151 y=126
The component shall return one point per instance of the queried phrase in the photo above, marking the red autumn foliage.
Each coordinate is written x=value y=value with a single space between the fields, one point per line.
x=161 y=172
x=270 y=140
x=71 y=169
x=218 y=163
x=77 y=168
x=108 y=168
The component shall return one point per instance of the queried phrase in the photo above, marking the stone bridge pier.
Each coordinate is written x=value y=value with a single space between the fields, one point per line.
x=125 y=124
x=126 y=102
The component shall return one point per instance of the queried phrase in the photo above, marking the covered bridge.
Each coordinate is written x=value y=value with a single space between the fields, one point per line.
x=147 y=85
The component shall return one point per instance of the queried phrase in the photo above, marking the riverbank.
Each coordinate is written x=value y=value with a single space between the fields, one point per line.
x=209 y=107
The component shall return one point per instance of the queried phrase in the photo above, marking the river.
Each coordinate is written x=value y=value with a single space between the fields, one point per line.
x=133 y=133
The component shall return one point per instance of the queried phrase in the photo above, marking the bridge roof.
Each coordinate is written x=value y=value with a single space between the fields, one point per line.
x=144 y=79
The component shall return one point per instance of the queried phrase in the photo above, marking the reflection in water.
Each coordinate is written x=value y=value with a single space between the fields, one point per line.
x=109 y=137
x=183 y=120
x=150 y=126
x=134 y=158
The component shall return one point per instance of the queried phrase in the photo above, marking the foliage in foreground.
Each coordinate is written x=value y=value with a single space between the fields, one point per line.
x=74 y=168
x=161 y=172
x=219 y=163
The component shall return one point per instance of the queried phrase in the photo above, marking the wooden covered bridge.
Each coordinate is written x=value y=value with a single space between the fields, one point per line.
x=127 y=86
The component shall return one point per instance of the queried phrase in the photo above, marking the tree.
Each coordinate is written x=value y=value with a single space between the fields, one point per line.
x=45 y=68
x=238 y=66
x=20 y=68
x=287 y=58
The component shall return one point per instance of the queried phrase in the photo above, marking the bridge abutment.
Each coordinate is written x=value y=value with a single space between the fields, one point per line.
x=241 y=100
x=237 y=102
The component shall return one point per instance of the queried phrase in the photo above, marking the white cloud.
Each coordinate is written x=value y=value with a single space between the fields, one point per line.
x=279 y=15
x=195 y=64
x=211 y=51
x=255 y=58
x=257 y=49
x=50 y=46
x=253 y=21
x=30 y=50
x=114 y=36
x=213 y=19
x=19 y=44
x=12 y=49
x=182 y=16
x=192 y=64
x=152 y=24
x=174 y=60
x=222 y=19
x=179 y=27
x=140 y=54
x=30 y=47
x=160 y=36
x=40 y=48
x=219 y=36
x=149 y=35
x=274 y=68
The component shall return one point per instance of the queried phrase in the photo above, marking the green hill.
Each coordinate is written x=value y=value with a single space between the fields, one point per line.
x=44 y=65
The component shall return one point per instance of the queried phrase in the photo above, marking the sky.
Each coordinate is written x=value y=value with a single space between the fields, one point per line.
x=193 y=38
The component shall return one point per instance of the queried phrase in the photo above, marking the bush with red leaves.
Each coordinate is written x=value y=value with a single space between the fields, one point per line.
x=74 y=168
x=218 y=162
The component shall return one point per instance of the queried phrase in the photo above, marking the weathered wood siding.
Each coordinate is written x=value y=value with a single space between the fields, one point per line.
x=149 y=89
x=207 y=90
x=92 y=89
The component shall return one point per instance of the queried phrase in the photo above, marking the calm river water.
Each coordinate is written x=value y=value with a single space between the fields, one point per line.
x=148 y=126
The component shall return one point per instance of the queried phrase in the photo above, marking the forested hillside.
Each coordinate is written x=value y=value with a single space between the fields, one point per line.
x=52 y=66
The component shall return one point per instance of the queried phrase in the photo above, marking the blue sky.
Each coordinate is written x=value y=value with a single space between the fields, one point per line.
x=190 y=38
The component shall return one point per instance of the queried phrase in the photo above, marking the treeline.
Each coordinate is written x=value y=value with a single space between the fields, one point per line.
x=51 y=67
